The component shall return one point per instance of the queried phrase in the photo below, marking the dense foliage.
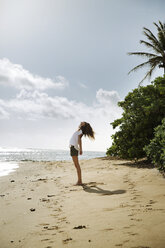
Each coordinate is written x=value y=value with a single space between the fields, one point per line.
x=143 y=110
x=156 y=149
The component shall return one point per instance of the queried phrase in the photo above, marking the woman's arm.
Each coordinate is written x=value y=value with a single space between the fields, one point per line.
x=80 y=143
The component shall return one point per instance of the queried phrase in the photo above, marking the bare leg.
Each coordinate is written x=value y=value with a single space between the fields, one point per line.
x=77 y=165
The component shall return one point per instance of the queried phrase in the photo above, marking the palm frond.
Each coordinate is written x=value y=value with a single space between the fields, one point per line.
x=153 y=61
x=158 y=28
x=143 y=54
x=161 y=34
x=157 y=44
x=150 y=35
x=139 y=66
x=149 y=45
x=148 y=74
x=153 y=39
x=162 y=26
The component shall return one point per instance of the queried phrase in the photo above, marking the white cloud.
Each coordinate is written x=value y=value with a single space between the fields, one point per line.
x=107 y=97
x=35 y=105
x=14 y=75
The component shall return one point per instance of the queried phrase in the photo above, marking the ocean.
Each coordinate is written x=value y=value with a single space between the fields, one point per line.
x=9 y=158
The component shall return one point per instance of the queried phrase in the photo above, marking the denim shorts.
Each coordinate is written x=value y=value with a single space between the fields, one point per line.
x=73 y=151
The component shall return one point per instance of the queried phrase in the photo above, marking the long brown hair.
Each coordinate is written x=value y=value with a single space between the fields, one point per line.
x=87 y=130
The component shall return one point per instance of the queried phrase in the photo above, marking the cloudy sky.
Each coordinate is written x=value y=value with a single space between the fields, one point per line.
x=65 y=61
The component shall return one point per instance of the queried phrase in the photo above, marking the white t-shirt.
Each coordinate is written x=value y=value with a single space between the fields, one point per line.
x=74 y=139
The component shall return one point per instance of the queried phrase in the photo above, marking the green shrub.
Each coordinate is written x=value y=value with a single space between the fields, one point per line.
x=156 y=149
x=143 y=110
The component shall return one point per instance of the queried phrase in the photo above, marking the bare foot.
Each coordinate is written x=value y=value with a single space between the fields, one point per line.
x=78 y=184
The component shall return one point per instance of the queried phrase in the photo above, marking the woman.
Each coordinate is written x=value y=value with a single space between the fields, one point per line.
x=76 y=146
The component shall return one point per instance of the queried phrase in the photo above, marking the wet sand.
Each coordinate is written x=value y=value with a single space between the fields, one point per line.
x=118 y=206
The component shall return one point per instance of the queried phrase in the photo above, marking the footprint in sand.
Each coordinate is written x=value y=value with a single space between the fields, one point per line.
x=51 y=228
x=152 y=202
x=79 y=227
x=65 y=241
x=133 y=234
x=45 y=239
x=58 y=209
x=125 y=241
x=44 y=224
x=62 y=219
x=126 y=227
x=45 y=200
x=108 y=229
x=140 y=247
x=136 y=219
x=54 y=215
x=134 y=198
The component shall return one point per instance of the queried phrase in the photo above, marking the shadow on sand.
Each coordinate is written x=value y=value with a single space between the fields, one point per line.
x=141 y=163
x=97 y=190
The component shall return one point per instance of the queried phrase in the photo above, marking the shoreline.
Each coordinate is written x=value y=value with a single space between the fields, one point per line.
x=44 y=155
x=119 y=206
x=7 y=167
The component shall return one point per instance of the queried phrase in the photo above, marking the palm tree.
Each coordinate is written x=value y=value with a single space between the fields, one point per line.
x=157 y=44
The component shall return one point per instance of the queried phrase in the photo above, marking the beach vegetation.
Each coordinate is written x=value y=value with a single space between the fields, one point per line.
x=143 y=111
x=156 y=149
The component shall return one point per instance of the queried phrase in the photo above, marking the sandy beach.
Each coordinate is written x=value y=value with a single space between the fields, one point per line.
x=119 y=206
